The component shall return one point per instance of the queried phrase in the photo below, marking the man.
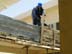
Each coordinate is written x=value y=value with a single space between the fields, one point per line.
x=37 y=12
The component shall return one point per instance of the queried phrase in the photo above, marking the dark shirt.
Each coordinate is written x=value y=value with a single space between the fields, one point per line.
x=37 y=12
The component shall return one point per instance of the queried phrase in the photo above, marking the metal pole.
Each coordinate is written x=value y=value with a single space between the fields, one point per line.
x=53 y=41
x=42 y=28
x=47 y=51
x=27 y=49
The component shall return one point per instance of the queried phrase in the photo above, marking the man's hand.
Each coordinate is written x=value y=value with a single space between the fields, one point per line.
x=44 y=14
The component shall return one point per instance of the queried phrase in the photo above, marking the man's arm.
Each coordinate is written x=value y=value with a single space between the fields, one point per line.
x=34 y=13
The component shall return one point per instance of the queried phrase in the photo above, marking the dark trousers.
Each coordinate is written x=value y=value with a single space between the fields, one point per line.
x=37 y=22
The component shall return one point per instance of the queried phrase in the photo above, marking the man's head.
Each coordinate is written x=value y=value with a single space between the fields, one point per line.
x=39 y=4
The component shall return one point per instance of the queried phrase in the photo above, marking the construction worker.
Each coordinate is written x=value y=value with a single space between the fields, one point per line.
x=37 y=12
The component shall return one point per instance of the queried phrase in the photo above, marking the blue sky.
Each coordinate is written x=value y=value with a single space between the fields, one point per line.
x=21 y=7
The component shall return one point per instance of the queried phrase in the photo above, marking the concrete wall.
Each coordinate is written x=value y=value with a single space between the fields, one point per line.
x=6 y=3
x=52 y=16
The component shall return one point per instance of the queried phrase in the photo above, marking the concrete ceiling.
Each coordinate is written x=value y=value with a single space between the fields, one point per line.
x=47 y=5
x=4 y=4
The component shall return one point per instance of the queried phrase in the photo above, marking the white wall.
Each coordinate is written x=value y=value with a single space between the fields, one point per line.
x=52 y=15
